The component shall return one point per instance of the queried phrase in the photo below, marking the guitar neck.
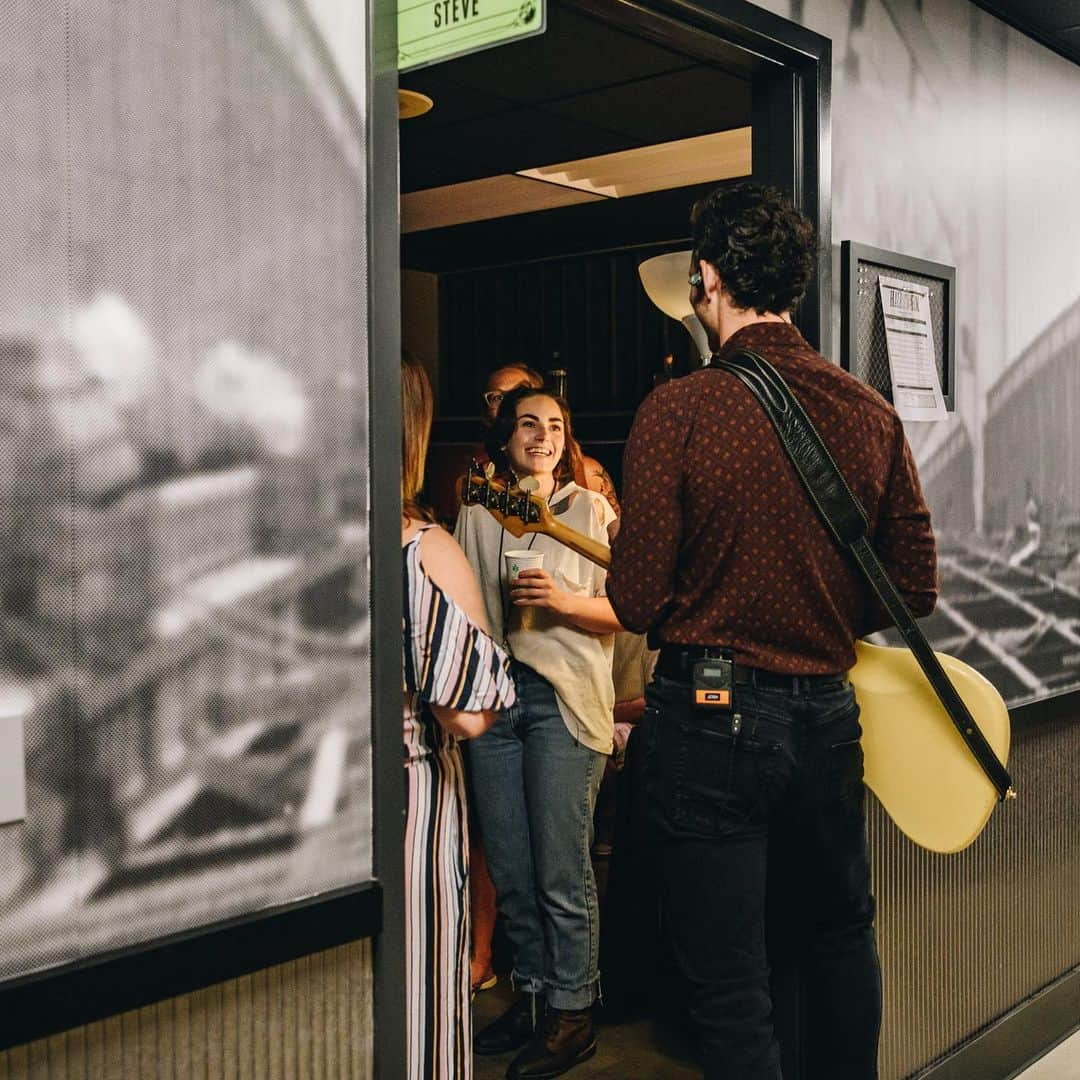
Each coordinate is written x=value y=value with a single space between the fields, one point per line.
x=584 y=545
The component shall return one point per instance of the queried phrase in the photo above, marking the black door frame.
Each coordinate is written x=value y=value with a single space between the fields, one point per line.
x=791 y=147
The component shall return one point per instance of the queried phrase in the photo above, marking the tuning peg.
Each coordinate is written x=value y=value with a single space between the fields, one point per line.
x=529 y=484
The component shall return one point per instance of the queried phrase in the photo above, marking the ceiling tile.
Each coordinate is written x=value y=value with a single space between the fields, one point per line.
x=506 y=143
x=1051 y=22
x=453 y=103
x=674 y=105
x=575 y=54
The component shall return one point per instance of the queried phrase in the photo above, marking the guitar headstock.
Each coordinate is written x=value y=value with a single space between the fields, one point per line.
x=517 y=511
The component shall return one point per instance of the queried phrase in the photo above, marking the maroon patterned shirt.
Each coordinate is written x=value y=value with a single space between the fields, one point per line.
x=720 y=544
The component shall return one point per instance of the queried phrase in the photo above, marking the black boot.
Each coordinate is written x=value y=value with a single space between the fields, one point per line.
x=513 y=1029
x=564 y=1039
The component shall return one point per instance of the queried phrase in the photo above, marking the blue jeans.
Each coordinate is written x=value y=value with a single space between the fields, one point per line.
x=765 y=871
x=535 y=789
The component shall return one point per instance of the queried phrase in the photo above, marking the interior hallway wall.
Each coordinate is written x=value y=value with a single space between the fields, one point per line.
x=952 y=142
x=949 y=144
x=304 y=1020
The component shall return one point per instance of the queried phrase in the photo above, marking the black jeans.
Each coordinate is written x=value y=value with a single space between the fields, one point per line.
x=761 y=840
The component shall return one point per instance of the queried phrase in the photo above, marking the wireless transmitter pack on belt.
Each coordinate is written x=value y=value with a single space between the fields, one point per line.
x=713 y=684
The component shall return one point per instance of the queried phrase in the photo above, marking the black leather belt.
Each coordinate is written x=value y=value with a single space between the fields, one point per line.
x=677 y=662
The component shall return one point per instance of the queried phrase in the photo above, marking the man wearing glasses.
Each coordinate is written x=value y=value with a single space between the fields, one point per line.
x=501 y=381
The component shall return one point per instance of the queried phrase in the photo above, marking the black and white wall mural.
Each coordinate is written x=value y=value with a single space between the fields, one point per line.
x=183 y=488
x=954 y=141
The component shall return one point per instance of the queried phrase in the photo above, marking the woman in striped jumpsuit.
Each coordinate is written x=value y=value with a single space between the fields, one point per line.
x=455 y=680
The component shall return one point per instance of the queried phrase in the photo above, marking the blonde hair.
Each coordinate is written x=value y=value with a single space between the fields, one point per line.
x=417 y=409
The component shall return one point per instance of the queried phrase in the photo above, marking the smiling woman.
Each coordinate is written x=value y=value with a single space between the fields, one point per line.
x=537 y=770
x=529 y=438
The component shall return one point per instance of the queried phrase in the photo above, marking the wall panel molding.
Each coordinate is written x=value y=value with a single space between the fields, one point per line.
x=1019 y=1038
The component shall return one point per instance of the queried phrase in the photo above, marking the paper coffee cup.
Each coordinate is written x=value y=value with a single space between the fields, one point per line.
x=522 y=618
x=516 y=561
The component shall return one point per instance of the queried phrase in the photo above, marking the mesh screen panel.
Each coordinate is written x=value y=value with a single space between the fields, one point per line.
x=183 y=469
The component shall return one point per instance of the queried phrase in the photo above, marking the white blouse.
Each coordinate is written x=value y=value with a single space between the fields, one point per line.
x=576 y=662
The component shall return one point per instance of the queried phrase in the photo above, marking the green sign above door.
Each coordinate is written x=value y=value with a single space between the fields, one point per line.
x=434 y=30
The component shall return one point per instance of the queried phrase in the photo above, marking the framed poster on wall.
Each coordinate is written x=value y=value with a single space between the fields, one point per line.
x=865 y=338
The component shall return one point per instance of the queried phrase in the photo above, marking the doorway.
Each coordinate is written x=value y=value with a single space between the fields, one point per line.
x=549 y=169
x=545 y=173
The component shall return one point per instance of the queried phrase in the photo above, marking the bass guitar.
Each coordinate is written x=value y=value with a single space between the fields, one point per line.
x=915 y=761
x=519 y=512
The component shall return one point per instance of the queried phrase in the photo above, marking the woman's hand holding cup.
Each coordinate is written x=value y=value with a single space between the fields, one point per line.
x=531 y=586
x=537 y=588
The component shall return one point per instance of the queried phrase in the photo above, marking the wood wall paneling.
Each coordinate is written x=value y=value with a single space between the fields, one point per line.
x=420 y=320
x=590 y=309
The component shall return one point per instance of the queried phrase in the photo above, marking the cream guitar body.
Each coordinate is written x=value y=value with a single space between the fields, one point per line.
x=915 y=761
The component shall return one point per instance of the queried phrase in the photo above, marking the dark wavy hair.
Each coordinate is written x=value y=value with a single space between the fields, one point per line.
x=763 y=249
x=500 y=431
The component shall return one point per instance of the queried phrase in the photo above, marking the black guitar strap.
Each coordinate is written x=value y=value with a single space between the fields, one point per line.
x=847 y=521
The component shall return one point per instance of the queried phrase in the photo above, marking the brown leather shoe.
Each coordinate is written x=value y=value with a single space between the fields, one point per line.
x=564 y=1039
x=513 y=1029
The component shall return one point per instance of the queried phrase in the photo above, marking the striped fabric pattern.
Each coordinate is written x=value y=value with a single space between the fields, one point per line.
x=447 y=661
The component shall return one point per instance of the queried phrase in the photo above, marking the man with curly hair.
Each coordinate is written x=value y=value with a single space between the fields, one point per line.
x=758 y=802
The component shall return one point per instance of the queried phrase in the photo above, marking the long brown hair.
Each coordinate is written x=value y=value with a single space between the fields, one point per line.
x=506 y=420
x=417 y=409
